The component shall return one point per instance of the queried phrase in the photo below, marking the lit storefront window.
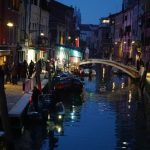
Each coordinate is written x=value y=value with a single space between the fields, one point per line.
x=31 y=55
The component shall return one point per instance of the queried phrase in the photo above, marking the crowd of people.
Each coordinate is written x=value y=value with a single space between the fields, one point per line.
x=21 y=71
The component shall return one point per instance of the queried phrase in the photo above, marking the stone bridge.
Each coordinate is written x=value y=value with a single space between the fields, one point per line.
x=131 y=71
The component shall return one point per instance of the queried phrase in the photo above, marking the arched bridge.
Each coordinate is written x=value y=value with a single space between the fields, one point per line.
x=127 y=69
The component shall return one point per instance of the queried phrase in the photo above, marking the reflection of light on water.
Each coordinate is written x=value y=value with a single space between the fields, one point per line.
x=122 y=85
x=49 y=117
x=125 y=143
x=73 y=113
x=58 y=128
x=59 y=116
x=103 y=72
x=73 y=110
x=123 y=147
x=113 y=86
x=130 y=96
x=72 y=117
x=129 y=106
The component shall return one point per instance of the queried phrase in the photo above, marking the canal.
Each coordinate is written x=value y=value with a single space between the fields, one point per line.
x=110 y=114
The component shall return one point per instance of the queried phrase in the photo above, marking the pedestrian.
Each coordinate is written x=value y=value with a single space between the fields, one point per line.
x=31 y=68
x=7 y=71
x=35 y=97
x=24 y=70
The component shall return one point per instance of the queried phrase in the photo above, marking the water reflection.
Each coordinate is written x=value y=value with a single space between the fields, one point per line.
x=72 y=114
x=118 y=119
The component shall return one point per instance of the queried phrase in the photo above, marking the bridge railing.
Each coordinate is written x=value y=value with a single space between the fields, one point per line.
x=128 y=69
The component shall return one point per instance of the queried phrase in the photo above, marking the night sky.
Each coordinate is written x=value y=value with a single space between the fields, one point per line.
x=93 y=10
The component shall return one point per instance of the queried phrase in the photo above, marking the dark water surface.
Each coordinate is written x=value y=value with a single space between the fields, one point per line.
x=115 y=118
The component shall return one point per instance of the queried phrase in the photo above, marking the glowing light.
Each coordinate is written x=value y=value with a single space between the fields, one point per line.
x=61 y=56
x=73 y=111
x=125 y=143
x=10 y=24
x=103 y=72
x=31 y=55
x=124 y=147
x=72 y=117
x=113 y=86
x=42 y=34
x=76 y=60
x=61 y=48
x=122 y=85
x=130 y=96
x=59 y=129
x=69 y=37
x=133 y=42
x=59 y=116
x=106 y=21
x=49 y=116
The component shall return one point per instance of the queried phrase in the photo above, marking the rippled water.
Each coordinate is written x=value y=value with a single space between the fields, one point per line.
x=117 y=118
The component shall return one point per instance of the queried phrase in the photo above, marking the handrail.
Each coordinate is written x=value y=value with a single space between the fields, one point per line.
x=127 y=69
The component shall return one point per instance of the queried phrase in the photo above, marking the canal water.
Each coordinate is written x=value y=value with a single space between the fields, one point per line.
x=110 y=114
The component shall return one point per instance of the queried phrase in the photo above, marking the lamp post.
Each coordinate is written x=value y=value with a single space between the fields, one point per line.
x=10 y=25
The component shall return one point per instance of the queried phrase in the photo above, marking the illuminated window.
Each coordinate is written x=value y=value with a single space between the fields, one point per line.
x=106 y=21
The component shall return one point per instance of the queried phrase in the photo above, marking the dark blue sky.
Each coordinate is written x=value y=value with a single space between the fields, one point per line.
x=93 y=10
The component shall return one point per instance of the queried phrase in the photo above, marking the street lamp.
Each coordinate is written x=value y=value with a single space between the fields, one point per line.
x=42 y=34
x=10 y=24
x=69 y=37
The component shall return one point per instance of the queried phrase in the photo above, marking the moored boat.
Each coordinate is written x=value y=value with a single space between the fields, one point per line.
x=67 y=82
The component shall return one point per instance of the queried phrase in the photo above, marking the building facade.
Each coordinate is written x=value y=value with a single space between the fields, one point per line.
x=88 y=38
x=9 y=33
x=35 y=22
x=62 y=25
x=104 y=38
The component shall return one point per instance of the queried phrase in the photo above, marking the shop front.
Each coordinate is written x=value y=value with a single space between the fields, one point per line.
x=36 y=54
x=67 y=58
x=5 y=54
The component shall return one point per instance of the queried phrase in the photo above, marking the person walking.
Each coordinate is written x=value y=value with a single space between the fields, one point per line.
x=24 y=70
x=31 y=68
x=7 y=71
